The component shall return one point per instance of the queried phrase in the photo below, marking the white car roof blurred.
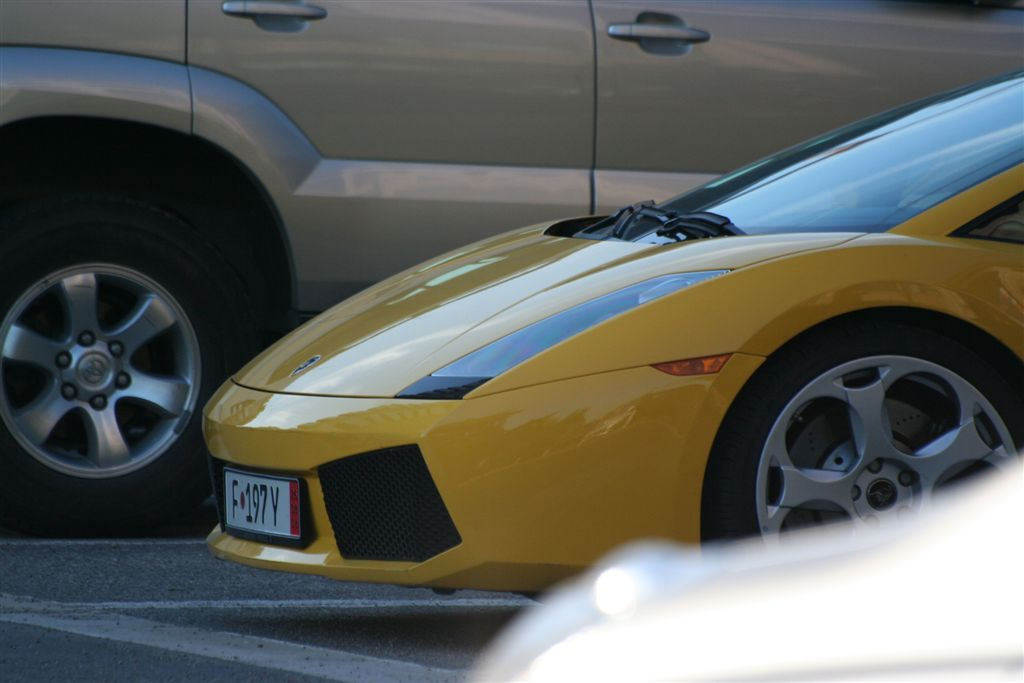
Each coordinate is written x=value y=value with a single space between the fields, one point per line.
x=940 y=597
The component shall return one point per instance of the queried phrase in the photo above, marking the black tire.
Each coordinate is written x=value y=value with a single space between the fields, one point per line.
x=45 y=489
x=729 y=501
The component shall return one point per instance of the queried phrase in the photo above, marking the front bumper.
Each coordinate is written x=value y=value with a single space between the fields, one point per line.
x=537 y=482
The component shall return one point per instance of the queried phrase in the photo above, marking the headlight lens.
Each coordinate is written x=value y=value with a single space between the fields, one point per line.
x=459 y=378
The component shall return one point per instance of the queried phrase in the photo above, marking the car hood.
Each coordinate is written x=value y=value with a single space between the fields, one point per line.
x=380 y=341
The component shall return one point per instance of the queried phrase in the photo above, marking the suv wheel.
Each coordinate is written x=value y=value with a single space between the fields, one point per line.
x=118 y=323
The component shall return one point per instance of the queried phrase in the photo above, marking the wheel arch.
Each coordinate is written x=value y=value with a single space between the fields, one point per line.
x=1005 y=361
x=183 y=174
x=743 y=409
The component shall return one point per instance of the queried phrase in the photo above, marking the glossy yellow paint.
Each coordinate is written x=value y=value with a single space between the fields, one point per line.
x=539 y=481
x=583 y=446
x=379 y=343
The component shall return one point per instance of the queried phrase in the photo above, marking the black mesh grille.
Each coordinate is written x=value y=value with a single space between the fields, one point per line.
x=383 y=505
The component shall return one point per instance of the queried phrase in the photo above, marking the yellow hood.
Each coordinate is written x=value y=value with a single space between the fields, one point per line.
x=380 y=341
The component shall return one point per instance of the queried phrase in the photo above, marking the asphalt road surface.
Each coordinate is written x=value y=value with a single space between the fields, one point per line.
x=162 y=608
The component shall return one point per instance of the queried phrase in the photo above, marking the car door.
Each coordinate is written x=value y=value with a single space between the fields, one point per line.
x=438 y=122
x=689 y=89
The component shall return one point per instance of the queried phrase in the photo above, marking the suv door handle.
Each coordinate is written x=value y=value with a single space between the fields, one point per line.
x=639 y=31
x=272 y=8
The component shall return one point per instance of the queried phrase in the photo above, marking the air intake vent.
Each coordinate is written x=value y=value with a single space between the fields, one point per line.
x=383 y=505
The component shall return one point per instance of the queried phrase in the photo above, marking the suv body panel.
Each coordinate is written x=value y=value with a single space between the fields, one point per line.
x=150 y=28
x=375 y=132
x=431 y=123
x=37 y=82
x=774 y=73
x=440 y=81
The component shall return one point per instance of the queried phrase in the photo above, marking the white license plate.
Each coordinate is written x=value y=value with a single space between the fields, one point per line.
x=262 y=504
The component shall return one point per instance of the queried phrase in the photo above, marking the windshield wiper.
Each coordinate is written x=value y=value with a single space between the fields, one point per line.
x=698 y=225
x=639 y=220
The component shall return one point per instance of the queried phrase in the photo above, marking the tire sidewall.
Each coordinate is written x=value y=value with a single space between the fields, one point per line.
x=43 y=239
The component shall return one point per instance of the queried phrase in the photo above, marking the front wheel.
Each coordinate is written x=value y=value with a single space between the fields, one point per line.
x=118 y=324
x=863 y=425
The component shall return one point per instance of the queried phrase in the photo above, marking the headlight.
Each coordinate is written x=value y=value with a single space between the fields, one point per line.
x=459 y=378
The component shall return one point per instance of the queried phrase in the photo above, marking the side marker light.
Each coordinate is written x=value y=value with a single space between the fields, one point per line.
x=694 y=366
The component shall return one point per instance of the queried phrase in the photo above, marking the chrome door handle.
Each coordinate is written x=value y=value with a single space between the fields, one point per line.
x=270 y=8
x=685 y=34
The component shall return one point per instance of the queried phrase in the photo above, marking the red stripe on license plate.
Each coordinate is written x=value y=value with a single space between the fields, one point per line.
x=293 y=501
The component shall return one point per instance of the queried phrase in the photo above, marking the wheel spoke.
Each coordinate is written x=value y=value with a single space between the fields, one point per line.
x=775 y=449
x=809 y=488
x=37 y=420
x=1003 y=459
x=771 y=523
x=150 y=317
x=966 y=398
x=107 y=447
x=958 y=445
x=78 y=293
x=869 y=421
x=167 y=394
x=28 y=346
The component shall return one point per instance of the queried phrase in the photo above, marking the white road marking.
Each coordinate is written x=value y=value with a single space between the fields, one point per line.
x=266 y=653
x=339 y=603
x=45 y=543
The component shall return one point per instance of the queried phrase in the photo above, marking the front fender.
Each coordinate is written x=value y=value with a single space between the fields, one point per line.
x=39 y=82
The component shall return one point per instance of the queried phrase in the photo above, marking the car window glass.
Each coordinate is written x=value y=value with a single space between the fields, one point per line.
x=1007 y=226
x=877 y=173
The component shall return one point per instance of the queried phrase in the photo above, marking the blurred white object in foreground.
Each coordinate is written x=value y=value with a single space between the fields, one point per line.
x=940 y=598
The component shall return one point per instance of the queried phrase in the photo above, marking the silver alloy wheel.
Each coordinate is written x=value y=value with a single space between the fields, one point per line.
x=100 y=370
x=872 y=440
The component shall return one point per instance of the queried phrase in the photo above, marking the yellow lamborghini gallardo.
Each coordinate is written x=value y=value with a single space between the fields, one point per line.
x=835 y=332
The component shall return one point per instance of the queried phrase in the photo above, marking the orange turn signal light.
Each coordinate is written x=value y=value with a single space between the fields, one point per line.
x=694 y=366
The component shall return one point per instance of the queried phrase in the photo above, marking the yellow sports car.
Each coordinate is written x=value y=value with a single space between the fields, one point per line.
x=834 y=332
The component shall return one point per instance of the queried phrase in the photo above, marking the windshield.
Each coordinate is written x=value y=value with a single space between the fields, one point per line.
x=879 y=172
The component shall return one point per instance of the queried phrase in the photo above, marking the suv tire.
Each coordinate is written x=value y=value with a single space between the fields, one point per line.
x=118 y=323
